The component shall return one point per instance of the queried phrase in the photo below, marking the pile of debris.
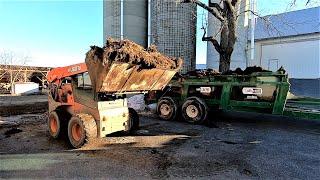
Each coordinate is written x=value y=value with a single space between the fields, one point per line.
x=132 y=53
x=202 y=73
x=119 y=59
x=238 y=71
x=247 y=71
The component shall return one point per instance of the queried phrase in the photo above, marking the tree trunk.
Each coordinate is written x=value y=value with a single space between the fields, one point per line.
x=224 y=64
x=227 y=13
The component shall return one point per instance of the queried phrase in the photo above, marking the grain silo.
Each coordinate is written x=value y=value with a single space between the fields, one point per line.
x=239 y=57
x=170 y=25
x=173 y=30
x=126 y=19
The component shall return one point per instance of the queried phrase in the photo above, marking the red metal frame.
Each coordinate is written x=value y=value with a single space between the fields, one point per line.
x=62 y=72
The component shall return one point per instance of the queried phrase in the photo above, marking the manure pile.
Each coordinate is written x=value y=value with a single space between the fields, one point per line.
x=99 y=60
x=129 y=52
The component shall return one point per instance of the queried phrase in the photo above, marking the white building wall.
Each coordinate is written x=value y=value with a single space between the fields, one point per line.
x=298 y=55
x=25 y=88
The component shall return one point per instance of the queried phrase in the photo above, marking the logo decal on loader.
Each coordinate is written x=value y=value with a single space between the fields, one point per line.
x=74 y=69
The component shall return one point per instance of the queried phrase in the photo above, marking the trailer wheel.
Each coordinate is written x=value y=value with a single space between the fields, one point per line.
x=167 y=108
x=194 y=110
x=54 y=125
x=81 y=129
x=133 y=120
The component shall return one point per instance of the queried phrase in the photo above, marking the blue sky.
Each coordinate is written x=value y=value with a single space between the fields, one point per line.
x=53 y=33
x=58 y=33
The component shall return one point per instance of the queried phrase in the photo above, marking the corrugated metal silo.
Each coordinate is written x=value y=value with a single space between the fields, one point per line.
x=111 y=19
x=173 y=30
x=135 y=21
x=126 y=19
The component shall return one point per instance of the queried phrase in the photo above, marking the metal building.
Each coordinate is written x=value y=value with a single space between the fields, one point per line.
x=296 y=48
x=126 y=19
x=173 y=30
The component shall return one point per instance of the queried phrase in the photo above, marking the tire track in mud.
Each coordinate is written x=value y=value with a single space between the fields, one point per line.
x=164 y=158
x=34 y=108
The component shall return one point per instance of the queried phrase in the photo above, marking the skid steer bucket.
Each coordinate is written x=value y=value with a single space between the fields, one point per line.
x=124 y=66
x=123 y=77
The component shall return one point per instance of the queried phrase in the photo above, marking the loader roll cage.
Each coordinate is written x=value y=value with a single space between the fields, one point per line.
x=84 y=93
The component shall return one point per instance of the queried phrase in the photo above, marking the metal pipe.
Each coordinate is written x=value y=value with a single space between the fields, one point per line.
x=252 y=7
x=149 y=23
x=121 y=19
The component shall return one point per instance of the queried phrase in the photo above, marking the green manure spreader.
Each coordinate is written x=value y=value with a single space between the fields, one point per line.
x=193 y=96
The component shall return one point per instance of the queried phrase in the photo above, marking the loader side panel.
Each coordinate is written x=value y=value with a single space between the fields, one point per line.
x=114 y=116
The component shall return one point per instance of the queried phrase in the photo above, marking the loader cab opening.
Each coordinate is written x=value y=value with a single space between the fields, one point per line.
x=84 y=92
x=82 y=88
x=66 y=81
x=83 y=81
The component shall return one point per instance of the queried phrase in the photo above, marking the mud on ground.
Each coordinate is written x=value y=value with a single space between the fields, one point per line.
x=15 y=105
x=233 y=149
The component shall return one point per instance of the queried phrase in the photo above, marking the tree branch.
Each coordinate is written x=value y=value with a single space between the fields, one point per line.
x=214 y=11
x=214 y=42
x=229 y=5
x=234 y=2
x=216 y=5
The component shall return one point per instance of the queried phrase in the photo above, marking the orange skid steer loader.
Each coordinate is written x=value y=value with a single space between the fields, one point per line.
x=80 y=110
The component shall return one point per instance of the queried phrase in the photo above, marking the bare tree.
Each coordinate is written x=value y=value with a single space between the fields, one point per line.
x=226 y=12
x=11 y=66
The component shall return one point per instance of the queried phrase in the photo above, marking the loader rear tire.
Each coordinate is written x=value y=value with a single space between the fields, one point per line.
x=81 y=129
x=54 y=125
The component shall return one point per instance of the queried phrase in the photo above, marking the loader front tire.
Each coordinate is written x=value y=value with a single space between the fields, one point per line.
x=81 y=129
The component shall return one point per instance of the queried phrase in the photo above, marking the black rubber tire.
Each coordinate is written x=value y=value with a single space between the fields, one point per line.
x=88 y=129
x=200 y=107
x=133 y=120
x=172 y=106
x=54 y=120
